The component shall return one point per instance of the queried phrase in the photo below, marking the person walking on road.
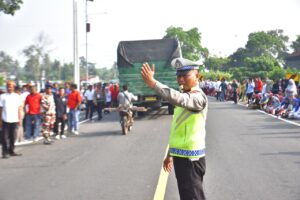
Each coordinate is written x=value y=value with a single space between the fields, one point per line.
x=74 y=101
x=10 y=114
x=187 y=137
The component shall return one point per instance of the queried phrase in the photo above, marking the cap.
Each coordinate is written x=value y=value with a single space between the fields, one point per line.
x=183 y=66
x=48 y=86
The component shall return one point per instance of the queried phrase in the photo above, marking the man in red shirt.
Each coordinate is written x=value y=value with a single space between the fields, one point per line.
x=114 y=89
x=74 y=101
x=258 y=85
x=33 y=115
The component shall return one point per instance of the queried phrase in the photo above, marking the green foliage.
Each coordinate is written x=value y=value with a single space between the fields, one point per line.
x=214 y=75
x=296 y=44
x=1 y=81
x=291 y=70
x=215 y=63
x=237 y=58
x=190 y=42
x=8 y=64
x=260 y=63
x=262 y=56
x=106 y=74
x=67 y=71
x=239 y=73
x=9 y=7
x=272 y=43
x=83 y=65
x=277 y=73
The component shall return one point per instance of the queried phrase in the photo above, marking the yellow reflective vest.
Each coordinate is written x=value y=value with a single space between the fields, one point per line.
x=187 y=138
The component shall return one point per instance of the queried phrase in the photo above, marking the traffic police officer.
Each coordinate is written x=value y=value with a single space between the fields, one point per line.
x=187 y=137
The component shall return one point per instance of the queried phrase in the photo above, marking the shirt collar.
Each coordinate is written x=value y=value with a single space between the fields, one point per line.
x=195 y=88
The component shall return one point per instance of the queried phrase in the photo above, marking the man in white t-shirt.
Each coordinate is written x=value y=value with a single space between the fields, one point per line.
x=89 y=96
x=125 y=98
x=10 y=112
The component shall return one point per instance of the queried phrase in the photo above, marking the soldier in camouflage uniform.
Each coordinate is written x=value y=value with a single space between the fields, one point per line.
x=48 y=114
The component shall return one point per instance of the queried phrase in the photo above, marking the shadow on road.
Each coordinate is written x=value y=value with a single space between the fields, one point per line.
x=281 y=153
x=153 y=114
x=100 y=134
x=277 y=126
x=270 y=133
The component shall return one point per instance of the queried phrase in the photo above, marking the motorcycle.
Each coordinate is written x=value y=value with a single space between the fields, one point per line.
x=126 y=120
x=126 y=116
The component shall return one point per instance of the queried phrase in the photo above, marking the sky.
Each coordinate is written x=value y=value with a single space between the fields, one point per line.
x=224 y=24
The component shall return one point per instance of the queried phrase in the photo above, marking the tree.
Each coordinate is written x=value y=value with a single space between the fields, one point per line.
x=108 y=74
x=215 y=63
x=1 y=81
x=67 y=72
x=261 y=63
x=8 y=64
x=83 y=70
x=296 y=44
x=264 y=51
x=214 y=75
x=272 y=43
x=237 y=58
x=276 y=74
x=37 y=58
x=190 y=42
x=10 y=6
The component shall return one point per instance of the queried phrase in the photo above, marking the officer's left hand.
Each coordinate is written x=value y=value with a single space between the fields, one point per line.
x=168 y=163
x=148 y=74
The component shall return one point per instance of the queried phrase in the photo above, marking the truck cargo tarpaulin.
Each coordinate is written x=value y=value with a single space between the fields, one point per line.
x=139 y=51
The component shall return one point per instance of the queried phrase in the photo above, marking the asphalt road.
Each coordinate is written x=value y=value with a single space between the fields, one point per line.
x=250 y=156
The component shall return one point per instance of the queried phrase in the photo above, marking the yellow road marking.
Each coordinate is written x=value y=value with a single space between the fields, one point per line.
x=162 y=183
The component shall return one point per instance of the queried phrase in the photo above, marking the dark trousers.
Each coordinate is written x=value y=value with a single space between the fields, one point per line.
x=89 y=109
x=218 y=95
x=99 y=108
x=235 y=97
x=189 y=175
x=8 y=137
x=62 y=125
x=249 y=96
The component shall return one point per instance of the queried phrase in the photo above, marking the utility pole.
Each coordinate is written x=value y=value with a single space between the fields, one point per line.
x=86 y=41
x=88 y=29
x=75 y=46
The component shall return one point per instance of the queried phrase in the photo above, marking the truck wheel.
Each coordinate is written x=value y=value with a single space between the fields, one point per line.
x=170 y=109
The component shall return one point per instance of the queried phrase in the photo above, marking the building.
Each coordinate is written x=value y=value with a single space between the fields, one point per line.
x=293 y=60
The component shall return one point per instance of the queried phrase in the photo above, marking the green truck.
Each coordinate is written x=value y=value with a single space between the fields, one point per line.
x=131 y=56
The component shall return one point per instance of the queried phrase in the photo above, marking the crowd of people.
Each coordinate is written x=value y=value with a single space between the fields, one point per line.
x=28 y=115
x=278 y=97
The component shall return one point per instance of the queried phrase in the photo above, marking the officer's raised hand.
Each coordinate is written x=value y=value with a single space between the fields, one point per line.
x=148 y=74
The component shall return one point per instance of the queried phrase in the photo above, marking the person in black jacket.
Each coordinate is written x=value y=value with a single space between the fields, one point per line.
x=275 y=87
x=61 y=113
